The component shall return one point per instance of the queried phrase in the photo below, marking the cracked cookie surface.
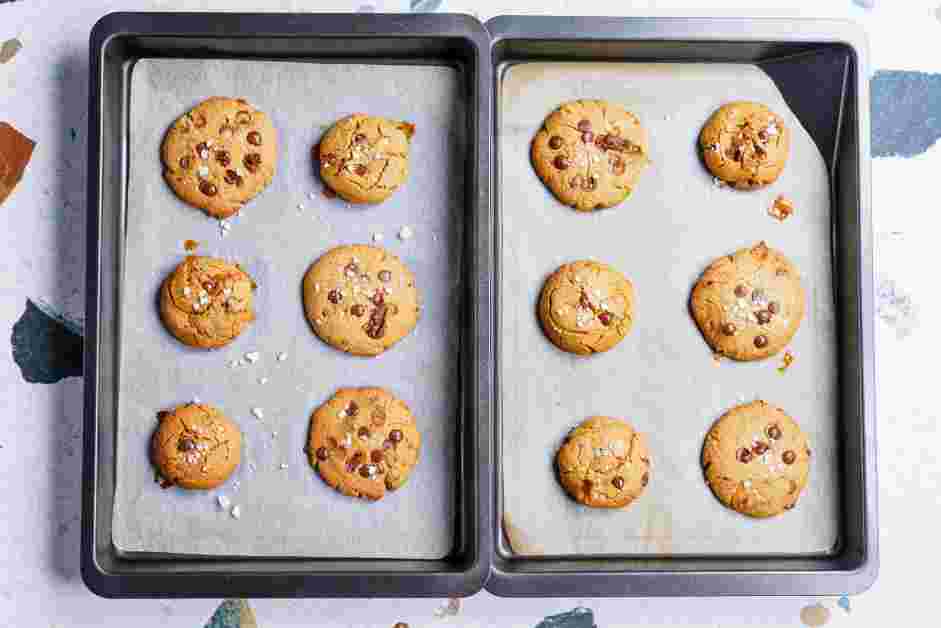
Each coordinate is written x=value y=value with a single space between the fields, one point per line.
x=586 y=307
x=207 y=302
x=195 y=447
x=363 y=442
x=360 y=299
x=604 y=463
x=590 y=153
x=756 y=459
x=745 y=144
x=219 y=155
x=363 y=158
x=749 y=305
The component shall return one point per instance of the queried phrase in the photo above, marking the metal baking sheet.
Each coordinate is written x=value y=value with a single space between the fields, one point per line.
x=286 y=509
x=662 y=377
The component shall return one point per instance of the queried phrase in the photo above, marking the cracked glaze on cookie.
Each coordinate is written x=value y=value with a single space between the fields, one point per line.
x=364 y=159
x=590 y=153
x=748 y=305
x=745 y=144
x=604 y=463
x=195 y=447
x=206 y=302
x=360 y=299
x=756 y=460
x=363 y=442
x=220 y=155
x=586 y=307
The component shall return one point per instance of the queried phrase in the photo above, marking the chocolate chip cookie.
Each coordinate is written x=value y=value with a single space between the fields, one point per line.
x=745 y=144
x=590 y=153
x=195 y=446
x=748 y=305
x=363 y=158
x=363 y=442
x=586 y=307
x=360 y=299
x=756 y=460
x=604 y=463
x=206 y=302
x=220 y=155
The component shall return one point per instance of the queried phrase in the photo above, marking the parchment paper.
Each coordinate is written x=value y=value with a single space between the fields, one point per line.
x=290 y=511
x=662 y=377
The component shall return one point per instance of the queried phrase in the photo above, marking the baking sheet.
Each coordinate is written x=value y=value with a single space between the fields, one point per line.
x=662 y=377
x=289 y=511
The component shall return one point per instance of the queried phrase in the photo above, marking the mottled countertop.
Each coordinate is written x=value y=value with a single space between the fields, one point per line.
x=43 y=94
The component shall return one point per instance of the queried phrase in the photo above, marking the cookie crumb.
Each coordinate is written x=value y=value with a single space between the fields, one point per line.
x=252 y=356
x=190 y=245
x=259 y=413
x=781 y=209
x=262 y=380
x=377 y=237
x=406 y=233
x=223 y=502
x=236 y=512
x=282 y=356
x=786 y=361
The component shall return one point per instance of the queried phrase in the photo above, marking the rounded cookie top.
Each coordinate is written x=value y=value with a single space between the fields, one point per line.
x=586 y=307
x=604 y=463
x=220 y=155
x=363 y=442
x=364 y=159
x=360 y=299
x=756 y=459
x=195 y=446
x=748 y=305
x=590 y=153
x=206 y=302
x=745 y=144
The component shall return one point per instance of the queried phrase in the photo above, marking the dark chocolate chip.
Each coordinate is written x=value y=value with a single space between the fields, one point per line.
x=555 y=142
x=376 y=456
x=586 y=486
x=232 y=178
x=605 y=318
x=352 y=409
x=729 y=328
x=202 y=149
x=588 y=137
x=329 y=158
x=761 y=341
x=774 y=432
x=379 y=297
x=789 y=457
x=385 y=276
x=376 y=325
x=618 y=166
x=743 y=455
x=561 y=162
x=361 y=170
x=360 y=138
x=363 y=432
x=644 y=479
x=254 y=138
x=186 y=445
x=332 y=442
x=207 y=188
x=618 y=482
x=584 y=125
x=334 y=296
x=223 y=157
x=252 y=162
x=358 y=310
x=322 y=453
x=243 y=117
x=773 y=307
x=741 y=291
x=591 y=183
x=185 y=162
x=763 y=316
x=366 y=470
x=759 y=448
x=396 y=436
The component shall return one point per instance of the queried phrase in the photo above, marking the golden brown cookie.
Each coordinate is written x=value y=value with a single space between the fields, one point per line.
x=220 y=155
x=586 y=307
x=590 y=153
x=363 y=158
x=604 y=463
x=756 y=460
x=360 y=299
x=206 y=302
x=363 y=442
x=748 y=305
x=195 y=446
x=745 y=144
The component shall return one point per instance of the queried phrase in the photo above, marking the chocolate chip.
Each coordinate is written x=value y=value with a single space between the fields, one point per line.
x=363 y=432
x=387 y=444
x=254 y=138
x=358 y=310
x=332 y=442
x=243 y=117
x=352 y=409
x=377 y=456
x=618 y=166
x=555 y=142
x=586 y=486
x=185 y=162
x=612 y=142
x=759 y=448
x=561 y=162
x=360 y=138
x=329 y=158
x=763 y=316
x=378 y=418
x=757 y=295
x=385 y=276
x=202 y=150
x=252 y=162
x=400 y=624
x=605 y=318
x=322 y=453
x=379 y=297
x=789 y=457
x=396 y=436
x=774 y=432
x=361 y=170
x=223 y=157
x=741 y=291
x=761 y=341
x=334 y=296
x=618 y=482
x=781 y=272
x=743 y=455
x=729 y=328
x=367 y=470
x=591 y=183
x=351 y=269
x=588 y=137
x=207 y=188
x=186 y=445
x=584 y=125
x=232 y=178
x=773 y=307
x=577 y=181
x=644 y=479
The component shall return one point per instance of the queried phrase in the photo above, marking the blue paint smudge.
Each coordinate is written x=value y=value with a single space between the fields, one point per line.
x=228 y=615
x=425 y=6
x=576 y=618
x=906 y=112
x=46 y=346
x=844 y=603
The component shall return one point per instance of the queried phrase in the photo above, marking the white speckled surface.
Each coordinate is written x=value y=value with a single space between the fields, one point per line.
x=43 y=91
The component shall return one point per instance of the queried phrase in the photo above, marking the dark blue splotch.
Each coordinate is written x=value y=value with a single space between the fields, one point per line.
x=45 y=347
x=906 y=112
x=575 y=618
x=232 y=614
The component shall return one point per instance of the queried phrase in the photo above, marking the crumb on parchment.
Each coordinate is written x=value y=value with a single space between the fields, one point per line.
x=781 y=209
x=786 y=361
